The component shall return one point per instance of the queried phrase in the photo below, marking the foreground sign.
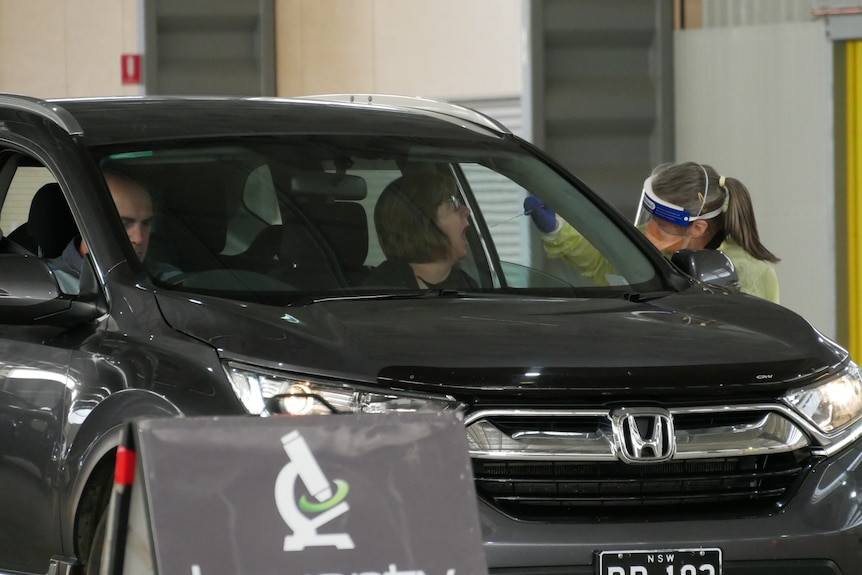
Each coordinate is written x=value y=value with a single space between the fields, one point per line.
x=389 y=495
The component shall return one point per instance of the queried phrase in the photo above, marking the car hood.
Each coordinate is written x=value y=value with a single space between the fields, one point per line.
x=707 y=344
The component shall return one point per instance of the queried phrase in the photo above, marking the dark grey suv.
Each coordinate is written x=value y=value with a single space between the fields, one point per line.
x=641 y=422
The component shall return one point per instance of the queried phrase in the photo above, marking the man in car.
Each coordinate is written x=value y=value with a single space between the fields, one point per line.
x=135 y=207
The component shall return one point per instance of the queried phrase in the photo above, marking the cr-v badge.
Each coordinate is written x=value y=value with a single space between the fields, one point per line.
x=304 y=516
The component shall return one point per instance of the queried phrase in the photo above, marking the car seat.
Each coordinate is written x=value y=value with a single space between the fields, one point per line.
x=330 y=202
x=50 y=225
x=190 y=218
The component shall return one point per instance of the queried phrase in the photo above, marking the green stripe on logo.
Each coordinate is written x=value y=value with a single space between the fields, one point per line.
x=341 y=489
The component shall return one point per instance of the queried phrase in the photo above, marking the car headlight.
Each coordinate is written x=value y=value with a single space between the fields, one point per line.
x=832 y=406
x=258 y=388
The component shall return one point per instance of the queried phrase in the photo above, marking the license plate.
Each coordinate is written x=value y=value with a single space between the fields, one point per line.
x=665 y=562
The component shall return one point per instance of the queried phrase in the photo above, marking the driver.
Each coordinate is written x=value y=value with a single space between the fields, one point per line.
x=135 y=207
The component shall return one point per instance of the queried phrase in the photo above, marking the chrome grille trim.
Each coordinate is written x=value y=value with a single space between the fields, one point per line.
x=777 y=430
x=485 y=441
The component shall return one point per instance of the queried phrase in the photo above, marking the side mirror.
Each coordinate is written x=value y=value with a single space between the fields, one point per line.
x=707 y=266
x=29 y=294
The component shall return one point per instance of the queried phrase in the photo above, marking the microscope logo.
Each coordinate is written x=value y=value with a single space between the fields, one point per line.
x=305 y=514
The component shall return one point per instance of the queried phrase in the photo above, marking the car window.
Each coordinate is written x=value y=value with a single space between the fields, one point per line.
x=376 y=179
x=16 y=206
x=256 y=210
x=36 y=220
x=282 y=219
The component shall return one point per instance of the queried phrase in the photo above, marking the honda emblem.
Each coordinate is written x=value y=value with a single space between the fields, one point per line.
x=643 y=434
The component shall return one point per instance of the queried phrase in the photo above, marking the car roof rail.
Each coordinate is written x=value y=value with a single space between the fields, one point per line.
x=47 y=110
x=436 y=107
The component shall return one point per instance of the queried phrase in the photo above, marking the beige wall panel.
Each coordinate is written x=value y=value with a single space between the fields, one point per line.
x=451 y=49
x=756 y=103
x=456 y=49
x=93 y=59
x=288 y=47
x=331 y=48
x=50 y=48
x=32 y=47
x=131 y=42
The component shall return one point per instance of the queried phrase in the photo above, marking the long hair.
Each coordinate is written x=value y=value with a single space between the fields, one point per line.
x=699 y=189
x=406 y=217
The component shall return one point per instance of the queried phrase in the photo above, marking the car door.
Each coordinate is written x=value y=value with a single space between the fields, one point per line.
x=34 y=395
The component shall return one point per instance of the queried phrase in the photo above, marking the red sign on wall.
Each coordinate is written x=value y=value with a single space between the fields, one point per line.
x=130 y=66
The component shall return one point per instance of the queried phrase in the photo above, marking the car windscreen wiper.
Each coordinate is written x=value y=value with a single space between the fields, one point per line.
x=423 y=294
x=308 y=299
x=645 y=296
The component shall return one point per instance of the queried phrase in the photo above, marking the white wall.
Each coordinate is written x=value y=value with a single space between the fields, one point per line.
x=756 y=102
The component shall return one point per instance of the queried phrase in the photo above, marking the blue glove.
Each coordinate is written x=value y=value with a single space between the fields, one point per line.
x=544 y=218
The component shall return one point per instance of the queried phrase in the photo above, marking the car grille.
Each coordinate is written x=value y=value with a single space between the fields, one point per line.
x=565 y=465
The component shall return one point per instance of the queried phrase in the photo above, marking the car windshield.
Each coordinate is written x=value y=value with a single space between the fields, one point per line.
x=293 y=219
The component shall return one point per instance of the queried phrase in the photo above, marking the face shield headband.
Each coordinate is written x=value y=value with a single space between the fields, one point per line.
x=665 y=210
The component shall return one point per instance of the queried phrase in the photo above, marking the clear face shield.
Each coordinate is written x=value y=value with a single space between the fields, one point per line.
x=666 y=225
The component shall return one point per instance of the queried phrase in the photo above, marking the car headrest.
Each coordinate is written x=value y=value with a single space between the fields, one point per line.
x=50 y=222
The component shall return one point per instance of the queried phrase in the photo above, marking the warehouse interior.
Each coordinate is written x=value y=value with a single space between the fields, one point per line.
x=764 y=91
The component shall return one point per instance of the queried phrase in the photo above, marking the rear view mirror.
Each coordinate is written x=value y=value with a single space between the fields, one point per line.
x=343 y=187
x=707 y=266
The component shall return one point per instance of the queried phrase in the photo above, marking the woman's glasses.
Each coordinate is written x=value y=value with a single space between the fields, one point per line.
x=456 y=202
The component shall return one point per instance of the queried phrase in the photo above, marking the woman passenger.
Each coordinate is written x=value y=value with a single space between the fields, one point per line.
x=421 y=224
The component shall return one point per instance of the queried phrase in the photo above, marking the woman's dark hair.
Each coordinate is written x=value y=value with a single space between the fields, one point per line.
x=683 y=184
x=405 y=217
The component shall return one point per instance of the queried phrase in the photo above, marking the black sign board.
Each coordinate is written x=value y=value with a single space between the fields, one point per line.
x=330 y=495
